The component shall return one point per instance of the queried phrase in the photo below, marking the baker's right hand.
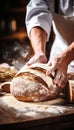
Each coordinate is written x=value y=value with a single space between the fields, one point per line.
x=37 y=58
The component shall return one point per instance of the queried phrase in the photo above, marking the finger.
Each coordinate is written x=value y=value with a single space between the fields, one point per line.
x=62 y=83
x=48 y=72
x=49 y=63
x=63 y=80
x=52 y=68
x=31 y=61
x=57 y=77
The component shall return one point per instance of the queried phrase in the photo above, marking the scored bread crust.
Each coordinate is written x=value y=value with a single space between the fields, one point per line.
x=32 y=84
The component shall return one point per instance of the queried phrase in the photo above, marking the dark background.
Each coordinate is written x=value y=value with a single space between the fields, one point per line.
x=15 y=46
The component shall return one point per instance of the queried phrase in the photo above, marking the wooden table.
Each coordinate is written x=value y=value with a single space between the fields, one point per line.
x=49 y=115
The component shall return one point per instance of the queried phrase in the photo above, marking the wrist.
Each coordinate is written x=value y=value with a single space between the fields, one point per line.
x=66 y=59
x=69 y=54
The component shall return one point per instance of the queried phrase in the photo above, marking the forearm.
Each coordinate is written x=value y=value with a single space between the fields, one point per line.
x=68 y=55
x=38 y=39
x=38 y=15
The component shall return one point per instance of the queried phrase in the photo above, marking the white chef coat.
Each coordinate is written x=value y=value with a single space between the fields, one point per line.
x=42 y=13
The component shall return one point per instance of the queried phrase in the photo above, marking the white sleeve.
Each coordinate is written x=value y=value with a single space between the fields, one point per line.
x=38 y=14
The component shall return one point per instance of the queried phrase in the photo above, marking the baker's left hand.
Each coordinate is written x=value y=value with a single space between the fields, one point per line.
x=58 y=69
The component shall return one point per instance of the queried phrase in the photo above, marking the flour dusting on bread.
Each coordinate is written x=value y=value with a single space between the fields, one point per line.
x=32 y=84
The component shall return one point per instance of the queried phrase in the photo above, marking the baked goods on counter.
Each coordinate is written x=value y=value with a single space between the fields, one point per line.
x=32 y=84
x=7 y=72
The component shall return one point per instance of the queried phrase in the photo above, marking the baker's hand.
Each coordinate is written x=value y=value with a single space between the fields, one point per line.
x=59 y=71
x=37 y=58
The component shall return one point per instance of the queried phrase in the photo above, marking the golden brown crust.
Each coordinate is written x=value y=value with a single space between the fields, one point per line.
x=33 y=77
x=32 y=84
x=6 y=76
x=5 y=87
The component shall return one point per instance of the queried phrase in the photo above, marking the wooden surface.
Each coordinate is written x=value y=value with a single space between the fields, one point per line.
x=55 y=114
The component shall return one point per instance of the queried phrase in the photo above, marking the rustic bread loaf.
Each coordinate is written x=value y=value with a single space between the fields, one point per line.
x=32 y=84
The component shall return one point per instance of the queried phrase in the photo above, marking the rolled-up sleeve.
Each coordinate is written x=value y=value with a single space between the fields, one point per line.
x=38 y=14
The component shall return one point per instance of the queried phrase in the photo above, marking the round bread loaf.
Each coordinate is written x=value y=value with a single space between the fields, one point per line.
x=32 y=84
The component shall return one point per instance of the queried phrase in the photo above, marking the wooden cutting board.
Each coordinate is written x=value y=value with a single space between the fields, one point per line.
x=10 y=104
x=16 y=115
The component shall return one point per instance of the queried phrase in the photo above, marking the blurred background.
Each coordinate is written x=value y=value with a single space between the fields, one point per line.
x=15 y=46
